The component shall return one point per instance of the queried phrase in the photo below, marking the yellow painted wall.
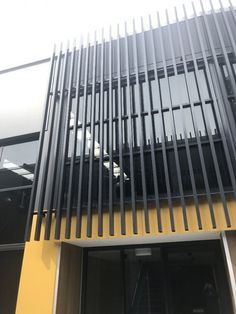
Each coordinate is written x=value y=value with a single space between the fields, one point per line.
x=178 y=217
x=37 y=283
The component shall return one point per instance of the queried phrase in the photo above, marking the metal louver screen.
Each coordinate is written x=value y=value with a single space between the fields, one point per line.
x=141 y=119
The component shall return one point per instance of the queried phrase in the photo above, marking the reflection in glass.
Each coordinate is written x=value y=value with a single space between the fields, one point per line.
x=104 y=283
x=10 y=268
x=167 y=124
x=152 y=279
x=211 y=118
x=200 y=121
x=14 y=208
x=189 y=123
x=17 y=164
x=179 y=128
x=186 y=111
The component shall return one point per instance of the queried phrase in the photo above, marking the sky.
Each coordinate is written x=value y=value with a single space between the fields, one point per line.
x=30 y=28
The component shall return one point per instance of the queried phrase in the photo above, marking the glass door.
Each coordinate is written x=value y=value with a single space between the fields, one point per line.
x=178 y=279
x=145 y=288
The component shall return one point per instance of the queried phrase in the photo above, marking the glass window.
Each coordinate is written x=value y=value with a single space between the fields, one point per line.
x=200 y=121
x=115 y=103
x=179 y=128
x=14 y=207
x=148 y=130
x=227 y=80
x=146 y=97
x=103 y=270
x=203 y=83
x=211 y=118
x=165 y=95
x=167 y=124
x=234 y=68
x=192 y=86
x=89 y=105
x=10 y=268
x=155 y=95
x=189 y=122
x=157 y=126
x=22 y=100
x=106 y=105
x=178 y=89
x=17 y=164
x=97 y=107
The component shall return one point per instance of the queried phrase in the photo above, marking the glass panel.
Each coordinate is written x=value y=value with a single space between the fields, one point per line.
x=104 y=283
x=172 y=172
x=115 y=103
x=184 y=166
x=89 y=105
x=148 y=130
x=17 y=164
x=227 y=80
x=200 y=121
x=167 y=124
x=146 y=97
x=157 y=125
x=97 y=107
x=165 y=95
x=224 y=171
x=211 y=118
x=155 y=95
x=210 y=168
x=144 y=278
x=22 y=100
x=14 y=207
x=192 y=86
x=234 y=68
x=106 y=105
x=123 y=100
x=197 y=169
x=202 y=82
x=10 y=267
x=178 y=89
x=178 y=124
x=193 y=265
x=189 y=122
x=148 y=280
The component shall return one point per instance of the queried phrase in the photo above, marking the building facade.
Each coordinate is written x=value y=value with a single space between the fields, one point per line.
x=126 y=194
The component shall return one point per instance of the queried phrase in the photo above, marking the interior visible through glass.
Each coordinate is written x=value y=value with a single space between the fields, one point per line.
x=181 y=279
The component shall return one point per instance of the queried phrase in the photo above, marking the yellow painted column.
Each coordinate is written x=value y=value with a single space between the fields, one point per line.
x=38 y=276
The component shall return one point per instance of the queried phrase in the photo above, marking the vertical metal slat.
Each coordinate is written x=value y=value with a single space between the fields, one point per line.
x=48 y=150
x=101 y=142
x=82 y=146
x=173 y=130
x=91 y=150
x=61 y=180
x=131 y=134
x=71 y=182
x=55 y=155
x=140 y=131
x=39 y=158
x=153 y=157
x=122 y=205
x=163 y=143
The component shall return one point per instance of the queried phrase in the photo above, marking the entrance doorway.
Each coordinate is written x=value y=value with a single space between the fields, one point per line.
x=156 y=279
